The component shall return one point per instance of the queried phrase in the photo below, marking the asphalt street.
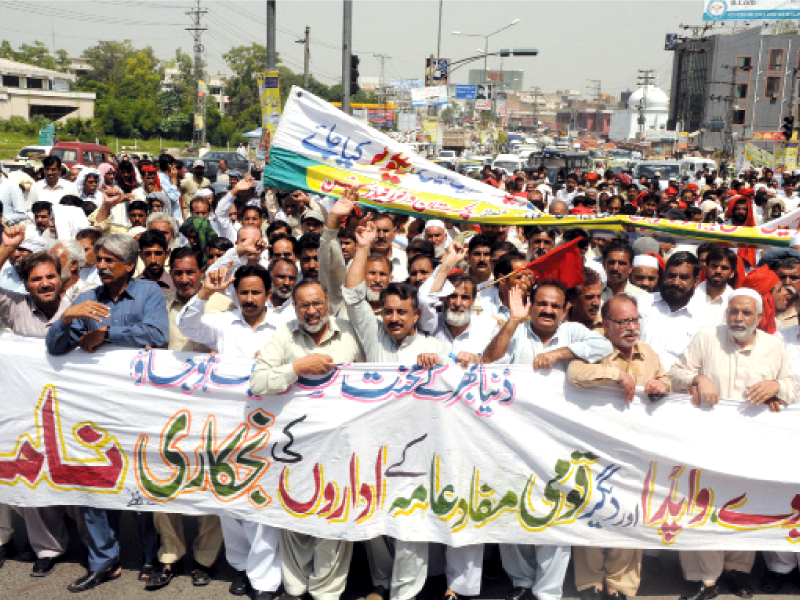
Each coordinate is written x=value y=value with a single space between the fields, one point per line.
x=661 y=576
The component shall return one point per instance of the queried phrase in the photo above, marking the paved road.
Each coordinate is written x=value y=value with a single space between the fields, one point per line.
x=661 y=577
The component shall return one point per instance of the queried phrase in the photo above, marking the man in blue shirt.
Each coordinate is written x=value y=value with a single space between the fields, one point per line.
x=124 y=312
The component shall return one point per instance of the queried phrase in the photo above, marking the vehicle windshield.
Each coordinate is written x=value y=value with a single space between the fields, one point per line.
x=619 y=153
x=31 y=152
x=508 y=166
x=583 y=163
x=667 y=171
x=66 y=154
x=217 y=155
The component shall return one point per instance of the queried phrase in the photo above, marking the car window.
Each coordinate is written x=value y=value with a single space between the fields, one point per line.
x=99 y=158
x=66 y=155
x=87 y=157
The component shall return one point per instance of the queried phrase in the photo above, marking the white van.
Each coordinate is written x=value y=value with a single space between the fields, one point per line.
x=692 y=164
x=508 y=162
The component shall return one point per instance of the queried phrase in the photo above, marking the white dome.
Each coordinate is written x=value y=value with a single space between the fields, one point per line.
x=656 y=98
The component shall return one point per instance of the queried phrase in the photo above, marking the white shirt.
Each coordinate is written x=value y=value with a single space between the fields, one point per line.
x=489 y=300
x=566 y=196
x=791 y=341
x=41 y=191
x=716 y=308
x=13 y=201
x=226 y=332
x=667 y=332
x=9 y=279
x=585 y=344
x=399 y=262
x=280 y=315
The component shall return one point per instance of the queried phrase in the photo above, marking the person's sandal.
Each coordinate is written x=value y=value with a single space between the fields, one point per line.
x=200 y=575
x=148 y=571
x=162 y=578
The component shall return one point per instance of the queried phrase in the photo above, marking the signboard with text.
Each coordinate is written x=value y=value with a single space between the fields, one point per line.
x=751 y=10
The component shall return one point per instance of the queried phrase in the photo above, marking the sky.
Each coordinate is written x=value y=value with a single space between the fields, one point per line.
x=577 y=40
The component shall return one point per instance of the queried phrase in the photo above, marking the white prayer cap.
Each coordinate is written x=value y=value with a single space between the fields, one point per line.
x=644 y=260
x=134 y=231
x=434 y=223
x=795 y=241
x=743 y=291
x=603 y=235
x=205 y=192
x=597 y=268
x=33 y=245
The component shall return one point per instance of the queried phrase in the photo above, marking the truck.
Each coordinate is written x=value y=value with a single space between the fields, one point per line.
x=456 y=139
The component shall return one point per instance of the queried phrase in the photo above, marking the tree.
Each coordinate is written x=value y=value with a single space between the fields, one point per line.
x=62 y=61
x=37 y=54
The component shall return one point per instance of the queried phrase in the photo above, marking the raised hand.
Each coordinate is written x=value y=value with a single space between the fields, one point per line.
x=13 y=235
x=251 y=246
x=518 y=308
x=346 y=203
x=216 y=281
x=453 y=255
x=365 y=232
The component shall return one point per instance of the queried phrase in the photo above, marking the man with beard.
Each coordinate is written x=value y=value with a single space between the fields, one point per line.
x=632 y=363
x=153 y=253
x=479 y=258
x=121 y=312
x=436 y=234
x=311 y=345
x=466 y=335
x=11 y=263
x=646 y=272
x=738 y=362
x=308 y=254
x=52 y=188
x=617 y=261
x=670 y=317
x=294 y=205
x=71 y=257
x=280 y=308
x=42 y=216
x=544 y=342
x=420 y=269
x=311 y=222
x=569 y=191
x=384 y=246
x=31 y=315
x=190 y=185
x=738 y=212
x=251 y=548
x=585 y=300
x=649 y=206
x=721 y=277
x=397 y=566
x=187 y=275
x=788 y=270
x=540 y=241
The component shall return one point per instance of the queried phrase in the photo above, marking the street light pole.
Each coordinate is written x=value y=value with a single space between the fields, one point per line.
x=271 y=57
x=347 y=51
x=307 y=57
x=486 y=45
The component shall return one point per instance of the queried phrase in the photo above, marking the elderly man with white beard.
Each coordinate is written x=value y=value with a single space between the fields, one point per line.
x=436 y=234
x=739 y=362
x=466 y=335
x=311 y=345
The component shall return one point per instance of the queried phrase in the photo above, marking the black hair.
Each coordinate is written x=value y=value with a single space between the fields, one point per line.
x=183 y=252
x=252 y=271
x=250 y=207
x=421 y=246
x=574 y=233
x=347 y=233
x=718 y=253
x=153 y=237
x=553 y=283
x=164 y=161
x=479 y=241
x=37 y=258
x=49 y=161
x=277 y=225
x=220 y=243
x=138 y=205
x=278 y=261
x=283 y=236
x=505 y=265
x=89 y=233
x=619 y=246
x=308 y=241
x=305 y=283
x=457 y=279
x=41 y=205
x=532 y=230
x=71 y=200
x=684 y=258
x=404 y=291
x=418 y=257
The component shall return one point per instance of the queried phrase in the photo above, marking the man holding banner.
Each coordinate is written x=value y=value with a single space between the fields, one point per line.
x=311 y=345
x=537 y=572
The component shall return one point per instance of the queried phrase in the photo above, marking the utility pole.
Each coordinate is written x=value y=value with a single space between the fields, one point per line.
x=687 y=65
x=306 y=57
x=537 y=91
x=645 y=80
x=199 y=133
x=272 y=62
x=595 y=87
x=347 y=52
x=382 y=58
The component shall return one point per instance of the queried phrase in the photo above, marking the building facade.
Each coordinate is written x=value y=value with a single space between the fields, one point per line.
x=27 y=91
x=735 y=86
x=648 y=103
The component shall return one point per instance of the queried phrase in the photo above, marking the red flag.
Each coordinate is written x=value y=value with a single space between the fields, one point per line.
x=563 y=263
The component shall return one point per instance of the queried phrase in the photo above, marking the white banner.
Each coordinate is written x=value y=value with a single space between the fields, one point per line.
x=429 y=96
x=492 y=454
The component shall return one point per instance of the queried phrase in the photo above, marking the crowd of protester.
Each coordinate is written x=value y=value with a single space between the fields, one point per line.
x=146 y=254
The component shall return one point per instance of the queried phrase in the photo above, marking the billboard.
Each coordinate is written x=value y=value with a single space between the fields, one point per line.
x=405 y=85
x=510 y=80
x=751 y=10
x=430 y=129
x=483 y=97
x=429 y=96
x=270 y=99
x=466 y=92
x=436 y=70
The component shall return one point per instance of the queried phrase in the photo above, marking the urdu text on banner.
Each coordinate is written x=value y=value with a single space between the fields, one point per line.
x=488 y=454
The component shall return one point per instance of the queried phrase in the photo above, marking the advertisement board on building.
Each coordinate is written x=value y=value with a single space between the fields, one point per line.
x=509 y=80
x=786 y=156
x=751 y=10
x=466 y=92
x=430 y=130
x=405 y=85
x=429 y=96
x=483 y=97
x=436 y=70
x=768 y=136
x=500 y=104
x=683 y=140
x=269 y=95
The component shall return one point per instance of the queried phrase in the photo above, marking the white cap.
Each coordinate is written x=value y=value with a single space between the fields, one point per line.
x=203 y=193
x=795 y=241
x=603 y=235
x=33 y=245
x=134 y=231
x=743 y=291
x=434 y=223
x=645 y=260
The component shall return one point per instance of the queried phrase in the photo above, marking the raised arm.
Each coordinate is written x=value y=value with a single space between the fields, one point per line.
x=365 y=235
x=498 y=347
x=332 y=269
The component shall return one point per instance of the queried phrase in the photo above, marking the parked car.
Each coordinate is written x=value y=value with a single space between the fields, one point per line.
x=212 y=158
x=81 y=153
x=32 y=153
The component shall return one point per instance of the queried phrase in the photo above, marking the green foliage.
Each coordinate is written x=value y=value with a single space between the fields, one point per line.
x=36 y=54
